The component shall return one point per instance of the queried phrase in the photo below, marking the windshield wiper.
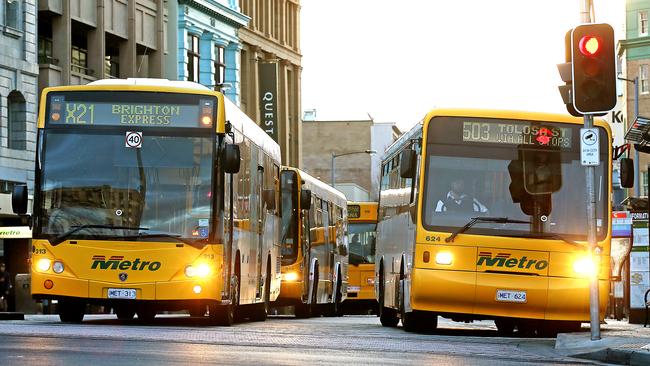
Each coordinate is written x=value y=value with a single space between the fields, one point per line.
x=164 y=235
x=555 y=236
x=474 y=220
x=61 y=238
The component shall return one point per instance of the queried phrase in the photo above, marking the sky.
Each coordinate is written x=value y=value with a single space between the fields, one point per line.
x=395 y=60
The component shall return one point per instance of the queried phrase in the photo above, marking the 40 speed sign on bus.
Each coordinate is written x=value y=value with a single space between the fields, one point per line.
x=133 y=139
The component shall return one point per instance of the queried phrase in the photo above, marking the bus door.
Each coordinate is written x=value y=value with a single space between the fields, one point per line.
x=260 y=229
x=255 y=218
x=328 y=252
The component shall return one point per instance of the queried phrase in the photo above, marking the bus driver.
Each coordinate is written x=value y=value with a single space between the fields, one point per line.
x=457 y=201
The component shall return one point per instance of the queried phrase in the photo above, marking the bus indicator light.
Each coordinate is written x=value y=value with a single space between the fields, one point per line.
x=48 y=284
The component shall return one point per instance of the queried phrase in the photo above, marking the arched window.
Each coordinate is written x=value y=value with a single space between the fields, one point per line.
x=17 y=121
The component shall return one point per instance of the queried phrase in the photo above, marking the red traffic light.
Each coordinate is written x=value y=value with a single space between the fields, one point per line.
x=589 y=45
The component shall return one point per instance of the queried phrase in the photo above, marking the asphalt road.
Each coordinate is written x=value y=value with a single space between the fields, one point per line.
x=177 y=339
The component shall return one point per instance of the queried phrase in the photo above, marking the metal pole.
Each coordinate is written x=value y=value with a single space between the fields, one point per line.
x=585 y=11
x=332 y=172
x=594 y=303
x=637 y=169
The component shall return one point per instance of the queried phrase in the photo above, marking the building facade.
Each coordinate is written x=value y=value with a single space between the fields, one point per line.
x=348 y=143
x=271 y=71
x=206 y=44
x=634 y=55
x=80 y=41
x=18 y=88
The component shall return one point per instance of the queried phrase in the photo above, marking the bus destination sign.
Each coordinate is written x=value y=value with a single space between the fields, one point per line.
x=517 y=134
x=80 y=113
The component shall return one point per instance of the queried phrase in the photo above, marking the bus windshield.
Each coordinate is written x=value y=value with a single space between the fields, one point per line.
x=89 y=177
x=362 y=243
x=520 y=170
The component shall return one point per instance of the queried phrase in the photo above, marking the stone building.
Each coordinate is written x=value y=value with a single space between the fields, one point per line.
x=270 y=71
x=80 y=41
x=18 y=88
x=350 y=144
x=205 y=44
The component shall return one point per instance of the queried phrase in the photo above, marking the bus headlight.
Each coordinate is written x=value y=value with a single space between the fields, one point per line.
x=58 y=267
x=201 y=270
x=291 y=276
x=585 y=266
x=43 y=265
x=370 y=280
x=444 y=258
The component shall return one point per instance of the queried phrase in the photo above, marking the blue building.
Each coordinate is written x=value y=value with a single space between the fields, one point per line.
x=207 y=49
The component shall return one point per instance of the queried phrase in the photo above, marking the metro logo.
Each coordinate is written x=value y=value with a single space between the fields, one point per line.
x=118 y=262
x=504 y=260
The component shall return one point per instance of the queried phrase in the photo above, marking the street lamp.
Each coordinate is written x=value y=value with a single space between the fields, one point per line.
x=637 y=191
x=334 y=156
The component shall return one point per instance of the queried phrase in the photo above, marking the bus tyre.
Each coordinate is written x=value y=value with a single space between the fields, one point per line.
x=505 y=327
x=146 y=315
x=71 y=311
x=335 y=306
x=124 y=313
x=197 y=311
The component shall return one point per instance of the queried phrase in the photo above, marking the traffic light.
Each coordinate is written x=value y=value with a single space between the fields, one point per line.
x=593 y=68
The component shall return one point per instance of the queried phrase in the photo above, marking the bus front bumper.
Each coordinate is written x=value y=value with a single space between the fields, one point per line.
x=46 y=286
x=464 y=292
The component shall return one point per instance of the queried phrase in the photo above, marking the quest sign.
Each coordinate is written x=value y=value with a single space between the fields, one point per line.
x=269 y=98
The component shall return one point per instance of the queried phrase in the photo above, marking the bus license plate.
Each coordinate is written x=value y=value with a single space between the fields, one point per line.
x=121 y=293
x=511 y=296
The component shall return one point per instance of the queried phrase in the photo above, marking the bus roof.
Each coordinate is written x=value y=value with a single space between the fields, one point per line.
x=320 y=188
x=151 y=82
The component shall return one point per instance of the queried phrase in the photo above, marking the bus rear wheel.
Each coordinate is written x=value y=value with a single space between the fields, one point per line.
x=505 y=327
x=71 y=311
x=124 y=313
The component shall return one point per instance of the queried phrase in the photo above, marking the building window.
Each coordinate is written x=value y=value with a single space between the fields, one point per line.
x=219 y=67
x=13 y=14
x=643 y=79
x=79 y=60
x=17 y=121
x=45 y=51
x=644 y=184
x=643 y=23
x=112 y=62
x=193 y=58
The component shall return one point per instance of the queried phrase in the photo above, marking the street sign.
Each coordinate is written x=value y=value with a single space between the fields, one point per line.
x=589 y=147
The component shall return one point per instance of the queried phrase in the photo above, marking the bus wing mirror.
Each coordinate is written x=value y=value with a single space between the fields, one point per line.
x=19 y=199
x=407 y=163
x=268 y=195
x=231 y=159
x=305 y=199
x=627 y=172
x=343 y=250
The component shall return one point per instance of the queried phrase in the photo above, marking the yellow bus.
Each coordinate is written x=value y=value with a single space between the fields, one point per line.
x=314 y=245
x=362 y=226
x=482 y=215
x=153 y=195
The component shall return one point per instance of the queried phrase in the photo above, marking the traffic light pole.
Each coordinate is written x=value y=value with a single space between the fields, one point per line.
x=594 y=311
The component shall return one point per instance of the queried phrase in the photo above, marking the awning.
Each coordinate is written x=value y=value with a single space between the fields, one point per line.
x=639 y=132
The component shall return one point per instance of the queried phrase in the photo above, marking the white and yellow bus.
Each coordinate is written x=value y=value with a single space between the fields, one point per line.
x=362 y=226
x=314 y=245
x=482 y=215
x=153 y=195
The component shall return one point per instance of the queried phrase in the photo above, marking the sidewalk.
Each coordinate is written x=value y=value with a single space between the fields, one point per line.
x=620 y=343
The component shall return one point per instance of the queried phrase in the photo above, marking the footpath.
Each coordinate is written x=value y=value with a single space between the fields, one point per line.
x=621 y=343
